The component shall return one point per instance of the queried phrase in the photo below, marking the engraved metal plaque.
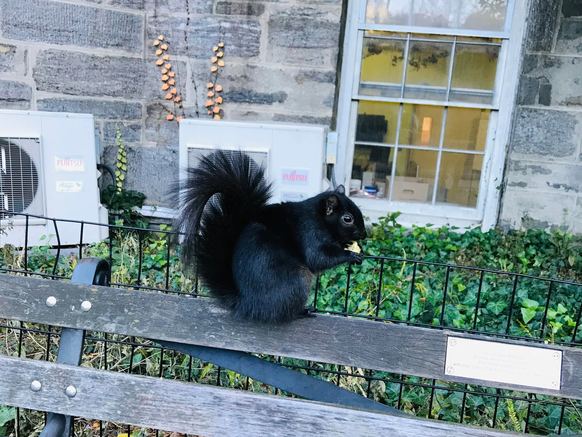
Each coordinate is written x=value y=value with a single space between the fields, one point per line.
x=502 y=362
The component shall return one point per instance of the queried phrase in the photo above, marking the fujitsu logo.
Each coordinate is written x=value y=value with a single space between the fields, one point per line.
x=293 y=176
x=69 y=162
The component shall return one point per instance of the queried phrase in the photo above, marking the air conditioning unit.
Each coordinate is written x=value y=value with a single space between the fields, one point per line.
x=293 y=154
x=48 y=168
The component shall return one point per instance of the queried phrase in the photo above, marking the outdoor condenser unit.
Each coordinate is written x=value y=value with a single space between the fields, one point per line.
x=293 y=154
x=48 y=169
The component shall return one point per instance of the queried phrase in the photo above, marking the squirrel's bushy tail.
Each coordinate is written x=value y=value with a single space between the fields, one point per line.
x=218 y=201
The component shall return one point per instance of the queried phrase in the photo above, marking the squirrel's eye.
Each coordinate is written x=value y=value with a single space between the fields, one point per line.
x=348 y=218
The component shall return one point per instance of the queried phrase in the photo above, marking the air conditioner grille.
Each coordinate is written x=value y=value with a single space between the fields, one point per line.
x=261 y=158
x=20 y=177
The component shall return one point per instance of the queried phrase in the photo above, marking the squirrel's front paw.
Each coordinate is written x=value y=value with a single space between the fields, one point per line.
x=356 y=258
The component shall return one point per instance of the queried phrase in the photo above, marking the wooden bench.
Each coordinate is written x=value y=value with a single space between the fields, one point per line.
x=200 y=329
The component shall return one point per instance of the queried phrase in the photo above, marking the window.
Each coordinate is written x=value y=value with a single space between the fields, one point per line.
x=422 y=102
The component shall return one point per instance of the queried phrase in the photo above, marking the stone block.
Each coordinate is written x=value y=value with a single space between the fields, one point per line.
x=99 y=108
x=528 y=90
x=7 y=58
x=577 y=223
x=570 y=36
x=151 y=170
x=316 y=76
x=547 y=134
x=545 y=177
x=179 y=6
x=130 y=133
x=197 y=36
x=250 y=8
x=130 y=4
x=158 y=129
x=572 y=8
x=68 y=24
x=304 y=36
x=543 y=15
x=64 y=72
x=527 y=209
x=562 y=76
x=268 y=87
x=15 y=95
x=295 y=118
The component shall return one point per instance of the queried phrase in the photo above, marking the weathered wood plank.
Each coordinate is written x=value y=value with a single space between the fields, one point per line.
x=338 y=340
x=199 y=409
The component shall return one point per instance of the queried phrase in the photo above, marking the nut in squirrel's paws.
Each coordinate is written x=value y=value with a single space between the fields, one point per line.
x=354 y=247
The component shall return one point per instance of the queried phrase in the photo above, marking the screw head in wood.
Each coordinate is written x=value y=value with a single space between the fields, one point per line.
x=35 y=386
x=51 y=301
x=71 y=391
x=86 y=305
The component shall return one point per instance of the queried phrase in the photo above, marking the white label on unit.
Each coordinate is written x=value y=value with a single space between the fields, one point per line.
x=294 y=176
x=69 y=186
x=289 y=196
x=502 y=362
x=69 y=163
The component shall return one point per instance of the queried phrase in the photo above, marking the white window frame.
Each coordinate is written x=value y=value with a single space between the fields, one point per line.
x=486 y=212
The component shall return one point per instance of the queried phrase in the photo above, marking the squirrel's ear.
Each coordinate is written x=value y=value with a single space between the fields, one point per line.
x=341 y=189
x=330 y=203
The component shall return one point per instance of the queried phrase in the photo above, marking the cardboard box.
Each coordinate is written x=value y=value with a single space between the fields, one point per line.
x=410 y=189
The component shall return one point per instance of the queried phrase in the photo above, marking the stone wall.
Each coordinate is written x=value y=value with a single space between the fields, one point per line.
x=543 y=185
x=97 y=56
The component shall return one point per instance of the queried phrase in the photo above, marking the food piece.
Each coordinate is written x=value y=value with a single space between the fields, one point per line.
x=177 y=100
x=170 y=117
x=219 y=54
x=221 y=63
x=179 y=118
x=164 y=47
x=164 y=78
x=210 y=94
x=158 y=52
x=174 y=91
x=164 y=71
x=216 y=110
x=165 y=87
x=218 y=100
x=213 y=60
x=208 y=103
x=166 y=57
x=171 y=82
x=217 y=117
x=168 y=66
x=161 y=37
x=159 y=62
x=214 y=49
x=220 y=44
x=171 y=74
x=354 y=247
x=218 y=88
x=156 y=43
x=210 y=85
x=169 y=96
x=213 y=68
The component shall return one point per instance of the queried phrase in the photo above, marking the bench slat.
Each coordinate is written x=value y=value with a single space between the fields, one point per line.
x=329 y=339
x=199 y=409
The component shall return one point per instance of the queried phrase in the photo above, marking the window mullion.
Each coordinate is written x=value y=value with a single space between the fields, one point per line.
x=404 y=68
x=438 y=164
x=451 y=69
x=395 y=157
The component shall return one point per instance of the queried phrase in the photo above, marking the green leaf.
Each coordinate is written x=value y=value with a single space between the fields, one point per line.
x=528 y=314
x=119 y=165
x=123 y=167
x=530 y=303
x=7 y=414
x=117 y=173
x=119 y=184
x=122 y=177
x=562 y=309
x=461 y=287
x=42 y=238
x=496 y=307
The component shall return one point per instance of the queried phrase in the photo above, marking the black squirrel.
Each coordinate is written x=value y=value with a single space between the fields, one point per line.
x=260 y=259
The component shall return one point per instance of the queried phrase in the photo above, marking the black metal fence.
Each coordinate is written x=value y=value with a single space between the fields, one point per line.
x=386 y=289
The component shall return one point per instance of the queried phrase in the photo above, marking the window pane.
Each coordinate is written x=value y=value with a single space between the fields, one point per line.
x=474 y=71
x=377 y=122
x=415 y=174
x=466 y=129
x=459 y=14
x=427 y=72
x=382 y=67
x=372 y=168
x=421 y=125
x=459 y=178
